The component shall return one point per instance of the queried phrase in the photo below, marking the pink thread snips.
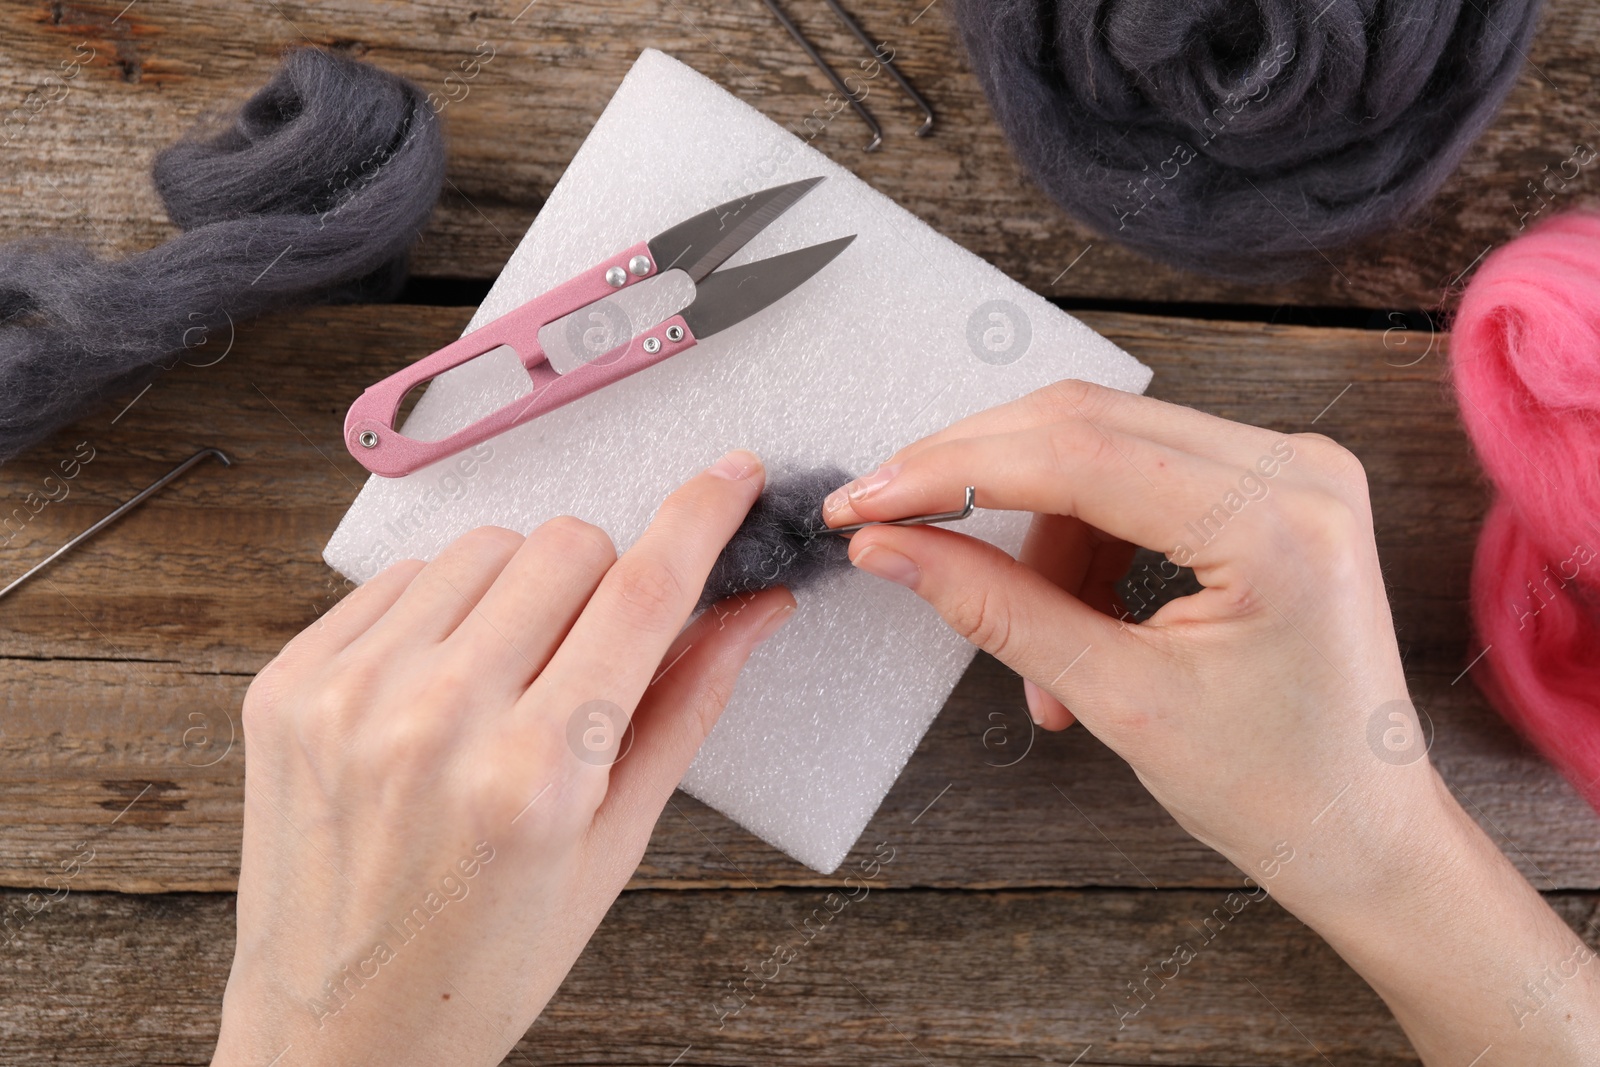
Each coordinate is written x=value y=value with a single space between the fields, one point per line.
x=696 y=246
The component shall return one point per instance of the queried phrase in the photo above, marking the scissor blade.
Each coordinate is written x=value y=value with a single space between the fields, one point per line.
x=701 y=244
x=733 y=295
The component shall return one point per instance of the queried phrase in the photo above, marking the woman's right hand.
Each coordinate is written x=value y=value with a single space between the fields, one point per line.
x=1268 y=712
x=1245 y=709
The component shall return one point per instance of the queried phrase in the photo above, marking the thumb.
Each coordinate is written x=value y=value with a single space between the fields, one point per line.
x=1008 y=609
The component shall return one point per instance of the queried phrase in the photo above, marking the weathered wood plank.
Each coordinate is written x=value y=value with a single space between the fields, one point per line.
x=896 y=977
x=277 y=401
x=80 y=146
x=124 y=665
x=103 y=753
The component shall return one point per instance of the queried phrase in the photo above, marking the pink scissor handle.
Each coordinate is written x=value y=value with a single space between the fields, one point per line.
x=369 y=431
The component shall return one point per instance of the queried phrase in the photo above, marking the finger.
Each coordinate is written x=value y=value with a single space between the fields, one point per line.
x=445 y=590
x=1173 y=425
x=1127 y=486
x=1107 y=567
x=1078 y=558
x=683 y=703
x=533 y=602
x=1084 y=562
x=1060 y=547
x=353 y=615
x=643 y=601
x=1007 y=609
x=1044 y=709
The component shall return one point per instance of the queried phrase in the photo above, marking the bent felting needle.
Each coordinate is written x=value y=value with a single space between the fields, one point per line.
x=853 y=97
x=888 y=64
x=916 y=520
x=122 y=509
x=697 y=246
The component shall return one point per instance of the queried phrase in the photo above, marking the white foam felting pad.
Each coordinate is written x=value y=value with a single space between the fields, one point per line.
x=902 y=334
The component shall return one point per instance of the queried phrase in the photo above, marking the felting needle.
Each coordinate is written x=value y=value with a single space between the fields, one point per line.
x=833 y=75
x=888 y=64
x=917 y=520
x=122 y=509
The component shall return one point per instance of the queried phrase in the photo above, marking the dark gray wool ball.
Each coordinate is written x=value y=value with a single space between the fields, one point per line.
x=312 y=192
x=782 y=540
x=1243 y=138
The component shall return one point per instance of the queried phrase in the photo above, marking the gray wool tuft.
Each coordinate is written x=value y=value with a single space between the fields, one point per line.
x=312 y=193
x=782 y=540
x=1243 y=139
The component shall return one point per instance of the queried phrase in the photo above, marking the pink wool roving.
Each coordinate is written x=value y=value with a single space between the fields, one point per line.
x=1525 y=352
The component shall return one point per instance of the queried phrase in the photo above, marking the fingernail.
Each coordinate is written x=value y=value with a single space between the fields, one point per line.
x=862 y=488
x=859 y=489
x=736 y=465
x=887 y=563
x=773 y=623
x=1035 y=698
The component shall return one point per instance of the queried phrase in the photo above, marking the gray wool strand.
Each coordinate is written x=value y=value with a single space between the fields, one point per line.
x=1243 y=139
x=782 y=540
x=312 y=192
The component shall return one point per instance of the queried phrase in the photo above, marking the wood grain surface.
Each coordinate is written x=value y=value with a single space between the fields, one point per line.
x=896 y=977
x=124 y=664
x=1033 y=877
x=78 y=148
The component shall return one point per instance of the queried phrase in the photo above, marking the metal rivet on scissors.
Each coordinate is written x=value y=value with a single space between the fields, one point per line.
x=122 y=509
x=916 y=520
x=697 y=246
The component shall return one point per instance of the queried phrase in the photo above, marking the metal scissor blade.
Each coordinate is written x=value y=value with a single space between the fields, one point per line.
x=733 y=295
x=701 y=244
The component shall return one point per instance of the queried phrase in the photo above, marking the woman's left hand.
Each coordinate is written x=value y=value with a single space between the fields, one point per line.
x=453 y=773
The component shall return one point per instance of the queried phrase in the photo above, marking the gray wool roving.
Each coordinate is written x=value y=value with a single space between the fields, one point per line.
x=783 y=540
x=312 y=193
x=1243 y=139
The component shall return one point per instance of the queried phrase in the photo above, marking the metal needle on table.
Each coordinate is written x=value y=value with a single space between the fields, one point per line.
x=833 y=75
x=121 y=510
x=888 y=64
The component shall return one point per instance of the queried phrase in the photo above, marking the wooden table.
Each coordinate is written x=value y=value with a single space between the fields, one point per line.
x=1023 y=898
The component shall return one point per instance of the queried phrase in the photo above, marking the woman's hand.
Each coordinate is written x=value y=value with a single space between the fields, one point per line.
x=433 y=822
x=1268 y=713
x=1244 y=708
